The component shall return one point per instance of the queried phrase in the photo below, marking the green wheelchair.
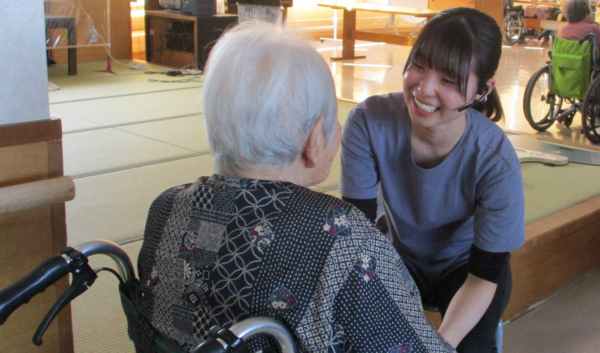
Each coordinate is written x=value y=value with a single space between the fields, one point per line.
x=569 y=84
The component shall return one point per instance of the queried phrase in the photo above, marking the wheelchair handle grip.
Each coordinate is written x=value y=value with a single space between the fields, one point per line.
x=20 y=292
x=588 y=36
x=545 y=34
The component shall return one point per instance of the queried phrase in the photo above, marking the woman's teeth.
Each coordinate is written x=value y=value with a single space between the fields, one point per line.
x=425 y=107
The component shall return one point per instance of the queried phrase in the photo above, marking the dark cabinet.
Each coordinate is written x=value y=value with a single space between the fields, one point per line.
x=177 y=40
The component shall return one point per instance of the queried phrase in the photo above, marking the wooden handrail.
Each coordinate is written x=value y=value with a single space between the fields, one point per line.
x=36 y=194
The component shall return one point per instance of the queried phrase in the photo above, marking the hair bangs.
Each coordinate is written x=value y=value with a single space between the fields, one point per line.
x=441 y=51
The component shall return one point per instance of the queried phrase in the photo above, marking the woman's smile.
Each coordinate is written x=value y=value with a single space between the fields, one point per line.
x=426 y=107
x=433 y=97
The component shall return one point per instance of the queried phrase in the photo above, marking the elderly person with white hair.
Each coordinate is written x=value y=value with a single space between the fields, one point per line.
x=253 y=240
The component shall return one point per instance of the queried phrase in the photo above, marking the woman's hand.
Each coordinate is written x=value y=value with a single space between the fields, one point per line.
x=466 y=308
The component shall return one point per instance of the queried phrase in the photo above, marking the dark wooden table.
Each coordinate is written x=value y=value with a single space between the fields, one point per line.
x=54 y=22
x=350 y=34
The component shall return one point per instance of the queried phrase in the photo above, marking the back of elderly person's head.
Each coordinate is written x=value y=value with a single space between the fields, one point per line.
x=264 y=90
x=576 y=10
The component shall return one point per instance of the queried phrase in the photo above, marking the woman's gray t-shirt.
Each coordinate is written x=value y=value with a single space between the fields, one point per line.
x=475 y=196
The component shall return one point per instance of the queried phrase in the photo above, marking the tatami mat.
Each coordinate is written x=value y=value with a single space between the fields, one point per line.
x=344 y=108
x=101 y=151
x=104 y=87
x=544 y=196
x=90 y=84
x=99 y=324
x=334 y=193
x=331 y=184
x=187 y=132
x=117 y=111
x=59 y=73
x=114 y=206
x=72 y=123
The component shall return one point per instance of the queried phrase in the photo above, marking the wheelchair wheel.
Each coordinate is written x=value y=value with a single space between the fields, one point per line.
x=591 y=108
x=539 y=105
x=513 y=28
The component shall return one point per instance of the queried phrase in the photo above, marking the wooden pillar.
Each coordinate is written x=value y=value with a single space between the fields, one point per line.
x=29 y=152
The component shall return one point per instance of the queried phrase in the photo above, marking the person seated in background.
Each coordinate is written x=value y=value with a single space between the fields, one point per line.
x=253 y=240
x=579 y=16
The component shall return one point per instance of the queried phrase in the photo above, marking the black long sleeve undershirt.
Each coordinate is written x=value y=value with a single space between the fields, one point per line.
x=366 y=206
x=487 y=265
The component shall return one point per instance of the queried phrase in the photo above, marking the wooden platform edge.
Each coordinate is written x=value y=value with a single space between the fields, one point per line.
x=559 y=251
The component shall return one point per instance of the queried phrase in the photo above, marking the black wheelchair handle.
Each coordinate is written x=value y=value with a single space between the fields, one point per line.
x=588 y=36
x=20 y=292
x=545 y=34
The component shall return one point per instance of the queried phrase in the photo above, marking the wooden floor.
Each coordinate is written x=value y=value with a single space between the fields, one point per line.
x=381 y=72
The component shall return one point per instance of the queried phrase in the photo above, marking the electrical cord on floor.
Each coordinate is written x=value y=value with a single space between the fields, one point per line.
x=194 y=73
x=176 y=72
x=193 y=78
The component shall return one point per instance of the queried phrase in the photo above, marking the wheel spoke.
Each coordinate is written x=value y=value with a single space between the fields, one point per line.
x=591 y=108
x=542 y=110
x=512 y=26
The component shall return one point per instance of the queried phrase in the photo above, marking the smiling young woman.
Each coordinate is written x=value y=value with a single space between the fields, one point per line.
x=440 y=179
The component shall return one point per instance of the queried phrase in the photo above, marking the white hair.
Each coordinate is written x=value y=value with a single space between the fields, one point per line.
x=263 y=92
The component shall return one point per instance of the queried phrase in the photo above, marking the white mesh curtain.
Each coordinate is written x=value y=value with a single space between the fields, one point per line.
x=77 y=23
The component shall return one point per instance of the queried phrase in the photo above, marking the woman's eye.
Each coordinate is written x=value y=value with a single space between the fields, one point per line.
x=449 y=81
x=417 y=66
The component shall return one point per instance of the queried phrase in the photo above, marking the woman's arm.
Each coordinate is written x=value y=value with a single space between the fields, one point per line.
x=498 y=227
x=474 y=297
x=466 y=308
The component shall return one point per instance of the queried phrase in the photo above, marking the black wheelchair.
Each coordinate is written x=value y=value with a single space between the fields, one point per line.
x=514 y=25
x=74 y=261
x=569 y=84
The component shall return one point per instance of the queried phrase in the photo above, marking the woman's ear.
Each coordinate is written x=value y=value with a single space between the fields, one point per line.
x=488 y=88
x=314 y=144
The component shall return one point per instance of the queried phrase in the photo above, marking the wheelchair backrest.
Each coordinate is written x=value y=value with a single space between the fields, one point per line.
x=571 y=67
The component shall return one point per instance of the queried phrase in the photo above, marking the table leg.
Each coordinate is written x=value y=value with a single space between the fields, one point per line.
x=72 y=52
x=347 y=38
x=149 y=37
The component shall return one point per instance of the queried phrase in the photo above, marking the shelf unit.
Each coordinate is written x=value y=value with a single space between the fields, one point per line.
x=205 y=30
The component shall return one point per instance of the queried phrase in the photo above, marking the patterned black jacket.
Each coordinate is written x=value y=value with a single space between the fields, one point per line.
x=224 y=249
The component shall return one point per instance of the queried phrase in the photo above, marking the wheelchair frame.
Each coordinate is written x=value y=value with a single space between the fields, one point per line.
x=74 y=260
x=549 y=107
x=514 y=26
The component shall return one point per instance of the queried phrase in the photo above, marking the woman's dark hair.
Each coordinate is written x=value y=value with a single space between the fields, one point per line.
x=576 y=10
x=458 y=41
